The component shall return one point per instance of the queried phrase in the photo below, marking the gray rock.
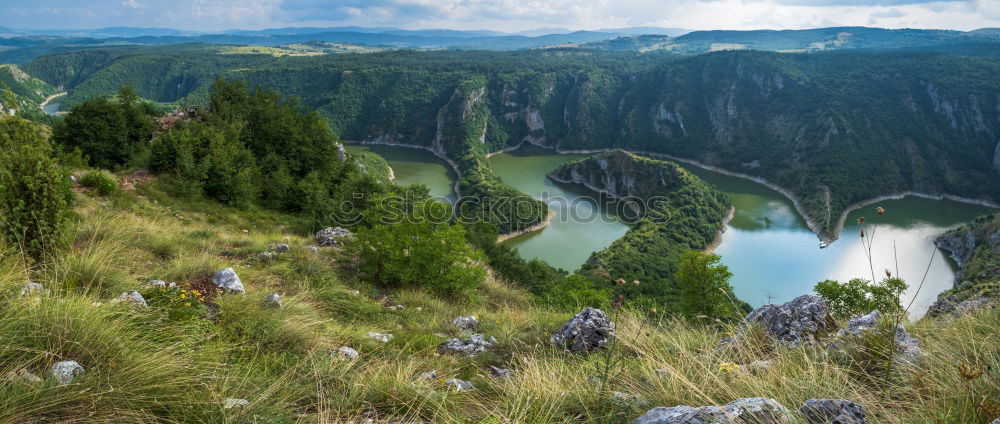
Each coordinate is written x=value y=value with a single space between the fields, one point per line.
x=230 y=403
x=996 y=421
x=747 y=410
x=382 y=337
x=347 y=352
x=955 y=306
x=801 y=320
x=73 y=179
x=589 y=330
x=65 y=372
x=133 y=298
x=313 y=249
x=457 y=385
x=466 y=323
x=501 y=373
x=25 y=376
x=471 y=346
x=341 y=152
x=395 y=307
x=32 y=289
x=330 y=236
x=832 y=411
x=267 y=256
x=160 y=284
x=907 y=347
x=628 y=400
x=228 y=281
x=273 y=300
x=429 y=375
x=280 y=248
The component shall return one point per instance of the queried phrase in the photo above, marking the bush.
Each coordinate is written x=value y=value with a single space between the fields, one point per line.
x=417 y=251
x=35 y=193
x=102 y=182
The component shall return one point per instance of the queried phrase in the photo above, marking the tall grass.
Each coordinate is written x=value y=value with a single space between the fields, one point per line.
x=144 y=367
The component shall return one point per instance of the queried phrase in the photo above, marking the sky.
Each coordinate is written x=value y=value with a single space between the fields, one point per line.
x=499 y=15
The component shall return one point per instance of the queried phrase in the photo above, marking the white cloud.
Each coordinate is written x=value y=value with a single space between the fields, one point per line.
x=506 y=15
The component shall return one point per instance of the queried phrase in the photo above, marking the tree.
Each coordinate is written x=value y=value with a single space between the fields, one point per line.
x=859 y=296
x=108 y=132
x=704 y=284
x=35 y=194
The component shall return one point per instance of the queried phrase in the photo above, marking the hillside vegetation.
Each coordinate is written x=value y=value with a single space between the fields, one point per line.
x=27 y=91
x=154 y=364
x=807 y=123
x=671 y=210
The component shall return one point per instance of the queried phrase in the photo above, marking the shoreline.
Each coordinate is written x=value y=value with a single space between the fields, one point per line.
x=813 y=226
x=722 y=231
x=529 y=229
x=49 y=99
x=452 y=164
x=828 y=238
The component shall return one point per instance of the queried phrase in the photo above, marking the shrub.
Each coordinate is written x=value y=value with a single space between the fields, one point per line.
x=416 y=251
x=35 y=193
x=101 y=182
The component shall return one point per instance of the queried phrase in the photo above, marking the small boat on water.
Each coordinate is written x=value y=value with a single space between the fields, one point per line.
x=822 y=245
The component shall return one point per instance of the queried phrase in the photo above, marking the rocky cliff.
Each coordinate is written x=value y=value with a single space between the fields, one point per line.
x=975 y=247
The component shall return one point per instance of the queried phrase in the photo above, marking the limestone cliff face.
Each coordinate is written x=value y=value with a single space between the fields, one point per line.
x=622 y=174
x=975 y=247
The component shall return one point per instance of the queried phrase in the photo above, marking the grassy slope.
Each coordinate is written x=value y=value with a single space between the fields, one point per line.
x=142 y=367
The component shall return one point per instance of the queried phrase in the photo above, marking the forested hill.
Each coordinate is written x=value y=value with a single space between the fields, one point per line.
x=678 y=213
x=832 y=129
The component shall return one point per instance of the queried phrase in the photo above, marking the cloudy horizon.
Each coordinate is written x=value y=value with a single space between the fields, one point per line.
x=502 y=15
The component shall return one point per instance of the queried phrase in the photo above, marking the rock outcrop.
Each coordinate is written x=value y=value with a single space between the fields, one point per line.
x=802 y=320
x=589 y=330
x=133 y=298
x=907 y=347
x=747 y=410
x=832 y=411
x=466 y=323
x=331 y=236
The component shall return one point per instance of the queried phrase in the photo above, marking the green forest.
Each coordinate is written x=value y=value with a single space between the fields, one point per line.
x=804 y=122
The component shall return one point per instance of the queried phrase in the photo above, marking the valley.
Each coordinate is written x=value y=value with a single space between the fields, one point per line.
x=771 y=250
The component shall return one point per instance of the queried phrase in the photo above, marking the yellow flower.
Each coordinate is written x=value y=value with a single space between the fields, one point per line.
x=183 y=295
x=187 y=304
x=183 y=291
x=728 y=367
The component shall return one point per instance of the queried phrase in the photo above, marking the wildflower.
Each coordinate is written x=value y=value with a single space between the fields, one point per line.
x=620 y=282
x=635 y=282
x=728 y=367
x=880 y=210
x=183 y=295
x=187 y=304
x=652 y=310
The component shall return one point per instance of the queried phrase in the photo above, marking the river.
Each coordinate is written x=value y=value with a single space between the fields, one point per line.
x=768 y=247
